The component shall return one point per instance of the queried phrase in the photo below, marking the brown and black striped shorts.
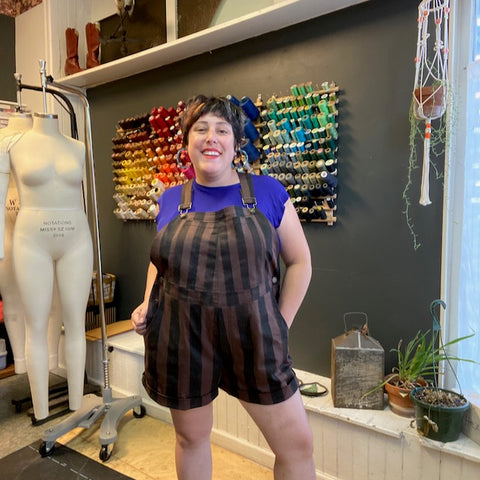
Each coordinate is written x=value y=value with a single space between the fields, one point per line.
x=193 y=347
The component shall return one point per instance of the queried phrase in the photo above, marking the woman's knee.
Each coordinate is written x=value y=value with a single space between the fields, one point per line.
x=189 y=439
x=299 y=445
x=192 y=427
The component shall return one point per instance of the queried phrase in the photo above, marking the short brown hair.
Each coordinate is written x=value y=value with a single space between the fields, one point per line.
x=222 y=107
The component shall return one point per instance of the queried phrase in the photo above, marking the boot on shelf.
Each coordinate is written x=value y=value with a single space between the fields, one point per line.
x=71 y=63
x=92 y=32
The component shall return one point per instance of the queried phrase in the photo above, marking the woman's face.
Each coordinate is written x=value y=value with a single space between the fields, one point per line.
x=211 y=147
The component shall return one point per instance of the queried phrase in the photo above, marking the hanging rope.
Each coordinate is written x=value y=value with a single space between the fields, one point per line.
x=430 y=86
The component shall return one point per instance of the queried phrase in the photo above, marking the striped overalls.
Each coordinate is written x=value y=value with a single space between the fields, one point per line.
x=213 y=319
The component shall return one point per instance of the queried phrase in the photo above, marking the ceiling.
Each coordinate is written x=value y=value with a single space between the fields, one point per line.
x=12 y=8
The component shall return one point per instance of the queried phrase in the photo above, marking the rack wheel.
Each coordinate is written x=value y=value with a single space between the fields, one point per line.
x=105 y=453
x=45 y=449
x=139 y=412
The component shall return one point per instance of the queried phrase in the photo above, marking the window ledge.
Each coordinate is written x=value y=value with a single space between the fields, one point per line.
x=280 y=15
x=384 y=421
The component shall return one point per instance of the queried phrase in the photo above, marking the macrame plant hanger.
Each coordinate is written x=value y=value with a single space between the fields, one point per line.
x=430 y=87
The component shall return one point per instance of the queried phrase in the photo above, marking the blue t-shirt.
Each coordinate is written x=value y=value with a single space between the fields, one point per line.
x=269 y=192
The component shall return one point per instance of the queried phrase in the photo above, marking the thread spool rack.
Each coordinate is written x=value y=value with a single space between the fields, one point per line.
x=299 y=144
x=293 y=138
x=144 y=161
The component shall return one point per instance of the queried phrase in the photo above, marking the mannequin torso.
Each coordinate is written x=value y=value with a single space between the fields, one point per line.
x=50 y=178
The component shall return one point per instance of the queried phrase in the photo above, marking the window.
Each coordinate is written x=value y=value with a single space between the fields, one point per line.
x=463 y=218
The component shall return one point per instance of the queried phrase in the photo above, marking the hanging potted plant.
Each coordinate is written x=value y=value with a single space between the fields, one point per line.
x=439 y=413
x=430 y=101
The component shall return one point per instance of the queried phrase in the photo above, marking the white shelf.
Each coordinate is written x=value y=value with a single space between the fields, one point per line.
x=280 y=15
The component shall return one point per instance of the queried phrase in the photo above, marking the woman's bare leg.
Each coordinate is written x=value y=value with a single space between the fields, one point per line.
x=193 y=454
x=285 y=427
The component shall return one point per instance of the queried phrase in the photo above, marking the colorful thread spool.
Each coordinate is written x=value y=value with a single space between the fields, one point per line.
x=234 y=100
x=251 y=150
x=299 y=134
x=322 y=119
x=331 y=130
x=330 y=165
x=322 y=105
x=249 y=108
x=250 y=130
x=332 y=107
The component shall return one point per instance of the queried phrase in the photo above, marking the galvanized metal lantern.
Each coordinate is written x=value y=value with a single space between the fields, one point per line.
x=358 y=365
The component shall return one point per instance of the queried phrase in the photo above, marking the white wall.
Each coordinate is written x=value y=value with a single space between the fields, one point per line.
x=231 y=9
x=30 y=47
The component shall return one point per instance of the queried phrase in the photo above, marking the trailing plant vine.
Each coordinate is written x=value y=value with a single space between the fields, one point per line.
x=438 y=146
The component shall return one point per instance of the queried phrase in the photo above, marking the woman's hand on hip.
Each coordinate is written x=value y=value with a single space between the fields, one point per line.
x=139 y=319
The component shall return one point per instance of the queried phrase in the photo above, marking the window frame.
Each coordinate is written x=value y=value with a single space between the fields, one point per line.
x=461 y=35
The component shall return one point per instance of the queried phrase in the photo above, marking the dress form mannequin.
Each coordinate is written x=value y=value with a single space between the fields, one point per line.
x=13 y=312
x=51 y=237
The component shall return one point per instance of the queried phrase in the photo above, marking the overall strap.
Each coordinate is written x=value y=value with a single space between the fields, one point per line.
x=186 y=198
x=248 y=197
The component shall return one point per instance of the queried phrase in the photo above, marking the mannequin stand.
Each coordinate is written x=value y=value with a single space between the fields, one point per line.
x=113 y=409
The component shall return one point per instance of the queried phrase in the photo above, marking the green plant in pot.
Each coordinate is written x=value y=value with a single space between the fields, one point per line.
x=417 y=366
x=439 y=412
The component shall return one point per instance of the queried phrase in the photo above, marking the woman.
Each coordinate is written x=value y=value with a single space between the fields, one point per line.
x=212 y=314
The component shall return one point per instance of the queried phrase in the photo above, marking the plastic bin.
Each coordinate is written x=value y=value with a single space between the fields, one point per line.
x=3 y=354
x=108 y=289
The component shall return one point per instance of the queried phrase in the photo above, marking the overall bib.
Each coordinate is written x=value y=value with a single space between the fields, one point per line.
x=213 y=319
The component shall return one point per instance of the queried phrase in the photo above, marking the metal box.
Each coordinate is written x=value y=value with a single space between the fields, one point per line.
x=358 y=366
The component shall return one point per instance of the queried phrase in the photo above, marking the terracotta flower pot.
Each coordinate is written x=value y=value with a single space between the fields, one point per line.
x=399 y=400
x=430 y=101
x=399 y=396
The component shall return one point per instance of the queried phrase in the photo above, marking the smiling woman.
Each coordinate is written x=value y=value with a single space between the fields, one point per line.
x=215 y=314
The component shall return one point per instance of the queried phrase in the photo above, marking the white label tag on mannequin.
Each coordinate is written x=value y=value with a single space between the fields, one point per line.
x=58 y=228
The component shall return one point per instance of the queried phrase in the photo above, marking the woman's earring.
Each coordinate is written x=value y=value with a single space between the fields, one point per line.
x=240 y=162
x=184 y=164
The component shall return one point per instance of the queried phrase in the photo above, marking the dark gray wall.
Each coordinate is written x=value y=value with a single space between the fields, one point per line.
x=366 y=262
x=7 y=58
